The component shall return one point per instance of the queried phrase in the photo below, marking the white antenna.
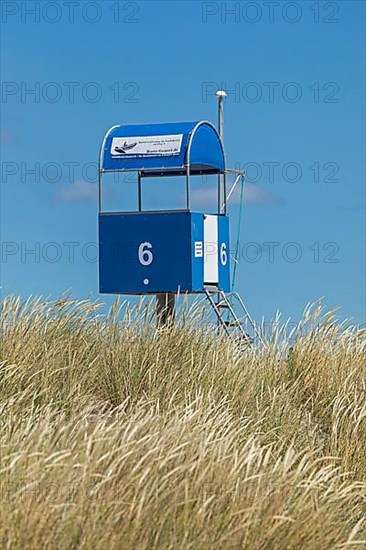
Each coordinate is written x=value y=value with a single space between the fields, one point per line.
x=221 y=95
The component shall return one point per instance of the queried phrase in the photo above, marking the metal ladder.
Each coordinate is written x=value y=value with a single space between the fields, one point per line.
x=242 y=327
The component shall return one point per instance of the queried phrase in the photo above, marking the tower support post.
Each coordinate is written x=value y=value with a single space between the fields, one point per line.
x=165 y=309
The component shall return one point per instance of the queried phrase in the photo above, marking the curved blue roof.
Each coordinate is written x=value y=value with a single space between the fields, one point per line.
x=166 y=149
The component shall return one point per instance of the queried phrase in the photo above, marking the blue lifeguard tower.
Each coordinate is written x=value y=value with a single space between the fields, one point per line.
x=168 y=252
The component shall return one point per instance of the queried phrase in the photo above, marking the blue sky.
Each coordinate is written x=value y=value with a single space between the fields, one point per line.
x=294 y=118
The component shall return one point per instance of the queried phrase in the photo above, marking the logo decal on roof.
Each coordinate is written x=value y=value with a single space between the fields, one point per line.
x=146 y=146
x=125 y=147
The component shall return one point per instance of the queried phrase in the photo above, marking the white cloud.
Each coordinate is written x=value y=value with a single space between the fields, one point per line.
x=79 y=191
x=253 y=194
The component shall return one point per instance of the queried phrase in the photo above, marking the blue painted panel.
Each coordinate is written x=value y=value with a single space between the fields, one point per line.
x=197 y=251
x=164 y=264
x=148 y=253
x=206 y=149
x=224 y=253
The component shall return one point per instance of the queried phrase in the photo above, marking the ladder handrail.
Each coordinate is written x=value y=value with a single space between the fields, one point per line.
x=216 y=310
x=223 y=298
x=233 y=314
x=238 y=297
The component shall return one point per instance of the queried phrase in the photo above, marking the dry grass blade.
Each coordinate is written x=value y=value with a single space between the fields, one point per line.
x=117 y=435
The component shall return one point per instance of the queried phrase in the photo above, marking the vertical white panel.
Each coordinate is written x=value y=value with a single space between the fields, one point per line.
x=211 y=260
